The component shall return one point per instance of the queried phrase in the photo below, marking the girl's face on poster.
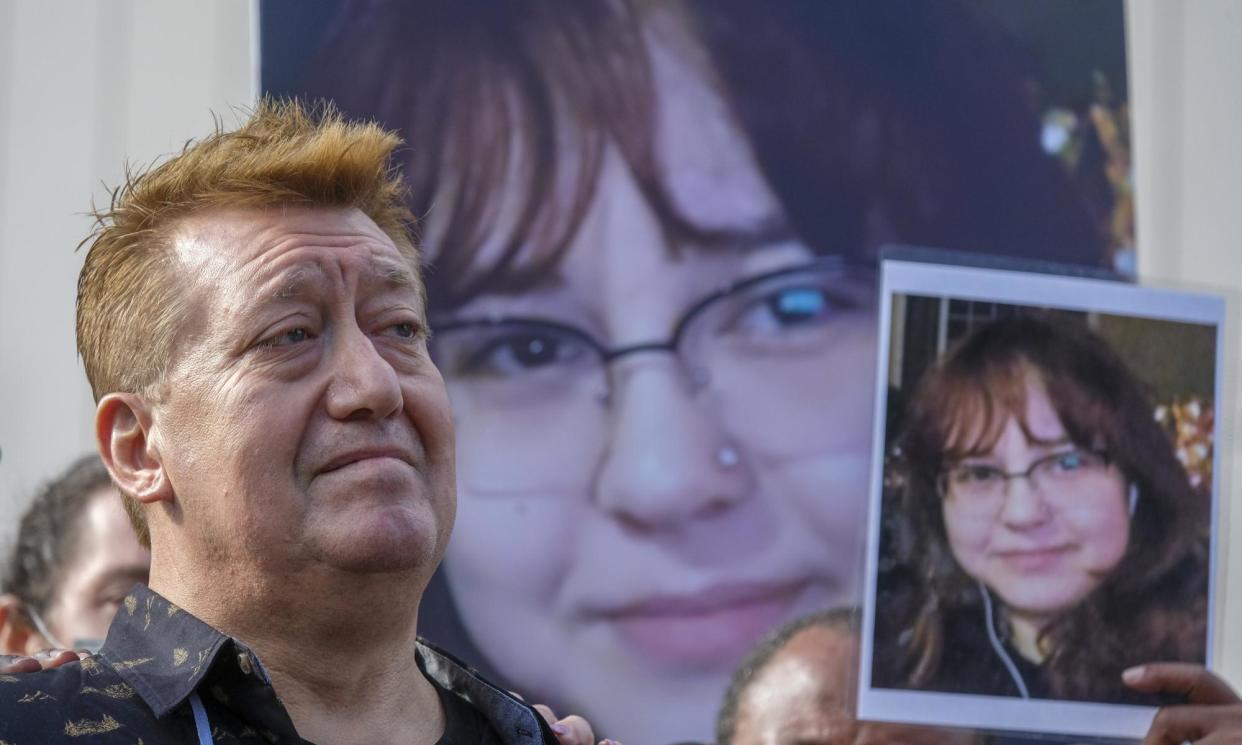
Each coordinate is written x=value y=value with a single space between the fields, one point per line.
x=1040 y=521
x=668 y=455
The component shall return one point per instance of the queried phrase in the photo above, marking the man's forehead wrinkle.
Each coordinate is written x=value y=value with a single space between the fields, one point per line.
x=293 y=279
x=197 y=251
x=292 y=283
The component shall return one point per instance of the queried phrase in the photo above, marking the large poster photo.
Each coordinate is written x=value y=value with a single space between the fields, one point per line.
x=650 y=232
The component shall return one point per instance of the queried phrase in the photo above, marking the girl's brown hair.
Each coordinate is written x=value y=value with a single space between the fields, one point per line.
x=899 y=121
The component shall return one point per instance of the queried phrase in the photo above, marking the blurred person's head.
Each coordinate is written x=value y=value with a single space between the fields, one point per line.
x=652 y=229
x=797 y=687
x=75 y=559
x=1036 y=473
x=285 y=427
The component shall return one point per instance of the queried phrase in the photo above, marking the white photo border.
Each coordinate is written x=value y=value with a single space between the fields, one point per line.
x=1006 y=713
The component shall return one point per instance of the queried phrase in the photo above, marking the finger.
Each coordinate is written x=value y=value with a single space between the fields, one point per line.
x=573 y=730
x=50 y=658
x=518 y=696
x=1198 y=684
x=546 y=713
x=1174 y=725
x=14 y=663
x=562 y=732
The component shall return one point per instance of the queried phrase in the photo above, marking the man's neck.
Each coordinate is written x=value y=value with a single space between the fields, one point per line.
x=340 y=649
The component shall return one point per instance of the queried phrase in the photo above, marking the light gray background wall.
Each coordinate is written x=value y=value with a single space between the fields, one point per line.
x=83 y=86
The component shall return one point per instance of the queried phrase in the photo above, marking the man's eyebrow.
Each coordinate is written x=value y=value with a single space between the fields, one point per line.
x=395 y=276
x=292 y=284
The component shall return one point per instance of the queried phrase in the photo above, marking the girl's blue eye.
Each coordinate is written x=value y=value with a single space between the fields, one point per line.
x=797 y=305
x=1070 y=461
x=783 y=310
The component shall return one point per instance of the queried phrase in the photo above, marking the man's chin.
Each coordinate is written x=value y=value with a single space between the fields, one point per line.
x=381 y=543
x=374 y=563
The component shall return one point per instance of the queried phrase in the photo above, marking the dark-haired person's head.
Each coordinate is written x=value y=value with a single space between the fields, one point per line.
x=797 y=688
x=653 y=230
x=1038 y=481
x=75 y=558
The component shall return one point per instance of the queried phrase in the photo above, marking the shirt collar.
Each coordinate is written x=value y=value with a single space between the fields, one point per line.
x=164 y=653
x=514 y=720
x=160 y=650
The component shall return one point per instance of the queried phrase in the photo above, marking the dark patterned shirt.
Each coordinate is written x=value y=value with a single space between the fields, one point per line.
x=164 y=676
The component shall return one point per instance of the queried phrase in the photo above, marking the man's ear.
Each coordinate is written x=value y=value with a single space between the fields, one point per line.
x=124 y=434
x=16 y=634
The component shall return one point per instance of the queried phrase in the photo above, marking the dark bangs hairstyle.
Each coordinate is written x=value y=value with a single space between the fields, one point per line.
x=1152 y=606
x=902 y=121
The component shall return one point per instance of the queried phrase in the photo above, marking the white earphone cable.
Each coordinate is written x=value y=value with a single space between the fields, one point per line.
x=1000 y=648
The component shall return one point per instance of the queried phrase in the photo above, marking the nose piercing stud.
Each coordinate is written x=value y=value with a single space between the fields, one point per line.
x=727 y=457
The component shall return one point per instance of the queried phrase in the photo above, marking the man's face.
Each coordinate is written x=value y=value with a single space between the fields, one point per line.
x=803 y=694
x=105 y=563
x=302 y=422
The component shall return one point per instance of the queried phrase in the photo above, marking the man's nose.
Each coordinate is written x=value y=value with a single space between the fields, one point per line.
x=668 y=459
x=364 y=385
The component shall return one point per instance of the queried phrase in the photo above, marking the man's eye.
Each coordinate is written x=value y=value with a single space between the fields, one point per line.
x=404 y=330
x=286 y=338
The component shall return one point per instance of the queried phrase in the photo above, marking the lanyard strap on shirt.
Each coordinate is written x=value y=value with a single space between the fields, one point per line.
x=200 y=720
